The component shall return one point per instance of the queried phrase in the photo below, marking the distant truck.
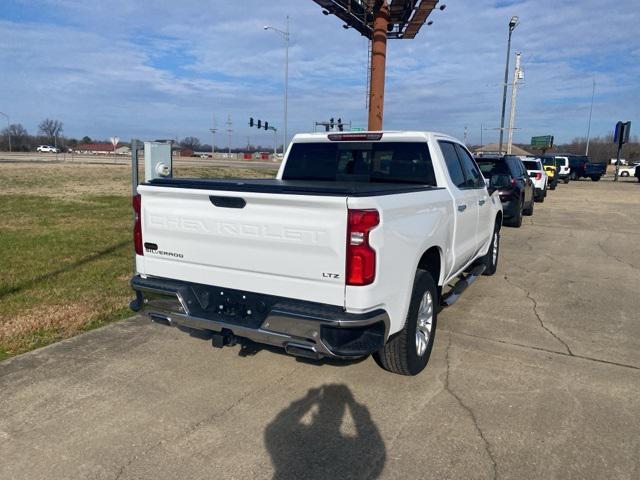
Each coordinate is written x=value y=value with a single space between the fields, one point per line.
x=350 y=251
x=581 y=167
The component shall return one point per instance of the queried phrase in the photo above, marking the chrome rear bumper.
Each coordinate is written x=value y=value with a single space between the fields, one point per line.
x=301 y=328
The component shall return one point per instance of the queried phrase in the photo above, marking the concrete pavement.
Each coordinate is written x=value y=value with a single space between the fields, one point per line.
x=535 y=374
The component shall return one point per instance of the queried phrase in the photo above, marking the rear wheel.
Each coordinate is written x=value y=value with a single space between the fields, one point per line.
x=516 y=221
x=566 y=180
x=529 y=210
x=491 y=258
x=408 y=351
x=595 y=178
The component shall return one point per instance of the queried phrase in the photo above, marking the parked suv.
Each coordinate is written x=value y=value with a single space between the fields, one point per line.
x=508 y=176
x=538 y=177
x=551 y=170
x=563 y=169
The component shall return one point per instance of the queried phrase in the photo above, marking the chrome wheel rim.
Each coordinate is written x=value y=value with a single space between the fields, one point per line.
x=496 y=239
x=425 y=323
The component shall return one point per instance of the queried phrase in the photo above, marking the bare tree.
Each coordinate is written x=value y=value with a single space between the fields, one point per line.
x=50 y=128
x=19 y=136
x=192 y=143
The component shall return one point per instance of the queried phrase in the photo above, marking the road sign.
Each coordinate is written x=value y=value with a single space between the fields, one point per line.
x=621 y=135
x=114 y=140
x=543 y=142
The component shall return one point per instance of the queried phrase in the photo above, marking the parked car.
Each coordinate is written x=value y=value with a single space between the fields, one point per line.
x=581 y=167
x=563 y=169
x=515 y=188
x=550 y=168
x=627 y=171
x=538 y=177
x=47 y=149
x=637 y=173
x=348 y=252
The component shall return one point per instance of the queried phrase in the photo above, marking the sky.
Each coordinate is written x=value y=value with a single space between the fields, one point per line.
x=166 y=69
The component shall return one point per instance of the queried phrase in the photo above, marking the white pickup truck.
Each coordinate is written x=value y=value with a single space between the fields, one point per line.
x=350 y=251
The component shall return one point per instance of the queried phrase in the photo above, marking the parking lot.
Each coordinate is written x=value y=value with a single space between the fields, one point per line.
x=535 y=374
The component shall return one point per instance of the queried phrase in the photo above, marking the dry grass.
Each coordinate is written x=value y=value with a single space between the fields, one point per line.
x=65 y=238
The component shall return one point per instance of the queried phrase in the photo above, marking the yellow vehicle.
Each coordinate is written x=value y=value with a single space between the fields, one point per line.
x=550 y=169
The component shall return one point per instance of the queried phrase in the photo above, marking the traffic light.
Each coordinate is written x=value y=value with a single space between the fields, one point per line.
x=266 y=125
x=259 y=124
x=251 y=122
x=331 y=123
x=340 y=125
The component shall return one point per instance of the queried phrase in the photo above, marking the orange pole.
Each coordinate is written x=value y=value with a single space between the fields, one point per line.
x=378 y=65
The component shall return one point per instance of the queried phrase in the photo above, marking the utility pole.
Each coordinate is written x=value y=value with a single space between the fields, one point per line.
x=378 y=64
x=229 y=131
x=517 y=75
x=593 y=95
x=213 y=131
x=465 y=134
x=513 y=23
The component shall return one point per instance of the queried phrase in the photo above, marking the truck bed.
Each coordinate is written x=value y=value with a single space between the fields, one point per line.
x=293 y=187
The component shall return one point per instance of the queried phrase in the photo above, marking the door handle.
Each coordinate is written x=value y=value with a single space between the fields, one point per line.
x=462 y=207
x=482 y=202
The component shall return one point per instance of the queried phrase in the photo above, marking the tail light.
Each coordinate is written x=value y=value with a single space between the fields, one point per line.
x=538 y=175
x=513 y=182
x=136 y=202
x=361 y=258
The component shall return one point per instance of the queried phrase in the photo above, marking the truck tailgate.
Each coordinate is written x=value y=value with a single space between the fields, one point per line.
x=277 y=244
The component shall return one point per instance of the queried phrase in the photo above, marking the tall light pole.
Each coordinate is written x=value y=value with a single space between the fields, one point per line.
x=593 y=95
x=285 y=34
x=517 y=76
x=8 y=128
x=513 y=23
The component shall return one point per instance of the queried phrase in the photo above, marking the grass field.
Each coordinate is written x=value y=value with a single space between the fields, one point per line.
x=65 y=237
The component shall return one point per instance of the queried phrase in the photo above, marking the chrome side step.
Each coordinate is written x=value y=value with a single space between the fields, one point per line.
x=453 y=295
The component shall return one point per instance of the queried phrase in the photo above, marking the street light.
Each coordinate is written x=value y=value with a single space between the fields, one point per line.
x=8 y=128
x=513 y=23
x=285 y=35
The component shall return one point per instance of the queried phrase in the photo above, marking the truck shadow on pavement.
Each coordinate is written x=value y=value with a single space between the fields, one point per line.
x=326 y=434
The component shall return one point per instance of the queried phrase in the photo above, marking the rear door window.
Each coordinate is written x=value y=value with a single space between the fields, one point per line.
x=454 y=166
x=471 y=171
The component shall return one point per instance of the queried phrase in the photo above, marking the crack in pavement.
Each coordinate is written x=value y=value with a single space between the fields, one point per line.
x=537 y=314
x=192 y=428
x=546 y=350
x=615 y=257
x=447 y=387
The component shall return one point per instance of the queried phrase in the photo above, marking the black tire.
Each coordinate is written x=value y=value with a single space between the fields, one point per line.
x=573 y=176
x=491 y=260
x=515 y=222
x=566 y=180
x=545 y=192
x=595 y=178
x=400 y=354
x=542 y=197
x=529 y=211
